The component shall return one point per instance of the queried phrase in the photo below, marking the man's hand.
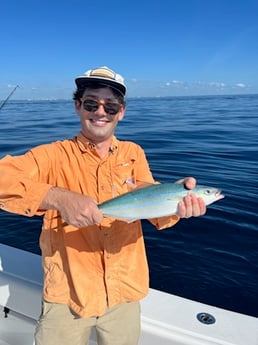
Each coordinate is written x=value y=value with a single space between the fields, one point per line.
x=76 y=209
x=190 y=206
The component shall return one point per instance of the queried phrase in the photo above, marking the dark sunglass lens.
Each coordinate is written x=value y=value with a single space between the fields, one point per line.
x=90 y=105
x=112 y=108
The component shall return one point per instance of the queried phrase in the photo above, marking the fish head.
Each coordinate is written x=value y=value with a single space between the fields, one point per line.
x=208 y=194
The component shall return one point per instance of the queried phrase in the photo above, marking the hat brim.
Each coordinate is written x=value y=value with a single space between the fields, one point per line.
x=84 y=81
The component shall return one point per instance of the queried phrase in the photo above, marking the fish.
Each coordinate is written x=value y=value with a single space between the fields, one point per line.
x=154 y=201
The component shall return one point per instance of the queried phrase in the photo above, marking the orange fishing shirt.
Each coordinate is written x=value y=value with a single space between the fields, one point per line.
x=90 y=267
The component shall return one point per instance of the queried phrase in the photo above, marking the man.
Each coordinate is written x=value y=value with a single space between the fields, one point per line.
x=95 y=268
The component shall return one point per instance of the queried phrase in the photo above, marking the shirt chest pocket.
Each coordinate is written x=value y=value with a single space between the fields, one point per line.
x=123 y=177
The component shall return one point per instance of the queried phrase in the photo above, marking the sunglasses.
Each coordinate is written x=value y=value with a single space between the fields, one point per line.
x=111 y=108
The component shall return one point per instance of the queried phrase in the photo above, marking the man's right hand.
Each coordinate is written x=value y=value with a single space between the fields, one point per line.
x=76 y=209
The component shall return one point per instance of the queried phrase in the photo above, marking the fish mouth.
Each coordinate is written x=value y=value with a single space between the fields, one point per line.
x=219 y=195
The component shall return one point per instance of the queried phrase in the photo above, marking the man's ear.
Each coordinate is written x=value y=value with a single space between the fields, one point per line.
x=122 y=113
x=77 y=106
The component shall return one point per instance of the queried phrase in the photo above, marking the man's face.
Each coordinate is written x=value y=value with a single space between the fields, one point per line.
x=97 y=123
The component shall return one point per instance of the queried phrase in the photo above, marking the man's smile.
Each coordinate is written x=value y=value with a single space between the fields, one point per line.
x=99 y=122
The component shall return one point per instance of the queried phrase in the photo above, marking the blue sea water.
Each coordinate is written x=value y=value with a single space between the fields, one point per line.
x=212 y=259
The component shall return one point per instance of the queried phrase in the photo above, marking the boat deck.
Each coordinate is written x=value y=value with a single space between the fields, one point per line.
x=166 y=319
x=16 y=329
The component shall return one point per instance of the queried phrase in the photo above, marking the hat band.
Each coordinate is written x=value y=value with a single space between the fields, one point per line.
x=102 y=72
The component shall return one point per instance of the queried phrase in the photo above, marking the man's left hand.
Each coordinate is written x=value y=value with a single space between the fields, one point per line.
x=190 y=206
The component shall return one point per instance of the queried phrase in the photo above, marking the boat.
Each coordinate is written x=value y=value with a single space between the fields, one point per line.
x=166 y=319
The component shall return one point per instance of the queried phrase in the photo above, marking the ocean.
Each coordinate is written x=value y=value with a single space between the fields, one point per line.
x=211 y=259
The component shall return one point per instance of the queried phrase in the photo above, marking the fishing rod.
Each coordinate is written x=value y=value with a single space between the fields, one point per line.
x=5 y=101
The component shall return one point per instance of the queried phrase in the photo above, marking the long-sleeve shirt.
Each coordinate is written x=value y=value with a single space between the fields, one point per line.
x=89 y=267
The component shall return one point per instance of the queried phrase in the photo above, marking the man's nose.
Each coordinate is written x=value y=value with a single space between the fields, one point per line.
x=101 y=109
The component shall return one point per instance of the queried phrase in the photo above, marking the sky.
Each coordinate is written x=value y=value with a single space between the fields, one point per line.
x=161 y=48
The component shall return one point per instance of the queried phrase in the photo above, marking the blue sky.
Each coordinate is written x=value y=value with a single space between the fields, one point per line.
x=162 y=48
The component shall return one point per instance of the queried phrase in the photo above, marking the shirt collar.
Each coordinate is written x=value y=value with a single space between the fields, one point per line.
x=85 y=145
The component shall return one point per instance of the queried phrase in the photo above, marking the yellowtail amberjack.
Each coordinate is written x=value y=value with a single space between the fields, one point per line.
x=154 y=201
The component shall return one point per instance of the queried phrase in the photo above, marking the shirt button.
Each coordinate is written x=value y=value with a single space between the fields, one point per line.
x=1 y=205
x=28 y=211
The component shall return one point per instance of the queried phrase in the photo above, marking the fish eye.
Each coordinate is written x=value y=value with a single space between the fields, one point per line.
x=207 y=191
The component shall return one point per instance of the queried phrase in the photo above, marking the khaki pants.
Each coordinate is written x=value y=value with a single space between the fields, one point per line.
x=58 y=325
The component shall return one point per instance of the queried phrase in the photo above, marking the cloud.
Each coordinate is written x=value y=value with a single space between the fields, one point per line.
x=175 y=87
x=241 y=85
x=176 y=83
x=217 y=84
x=201 y=85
